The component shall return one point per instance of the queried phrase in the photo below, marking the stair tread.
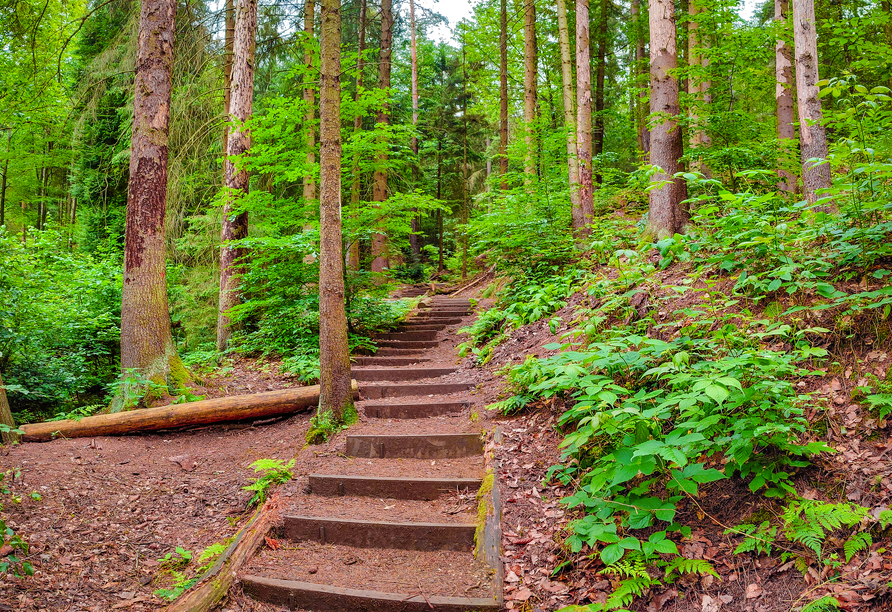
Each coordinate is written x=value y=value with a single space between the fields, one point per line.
x=459 y=467
x=449 y=508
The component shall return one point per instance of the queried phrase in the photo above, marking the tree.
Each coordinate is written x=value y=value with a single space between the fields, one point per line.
x=584 y=112
x=353 y=249
x=146 y=342
x=379 y=188
x=600 y=77
x=6 y=417
x=503 y=94
x=530 y=75
x=783 y=67
x=812 y=138
x=335 y=395
x=568 y=95
x=666 y=213
x=310 y=99
x=235 y=222
x=413 y=238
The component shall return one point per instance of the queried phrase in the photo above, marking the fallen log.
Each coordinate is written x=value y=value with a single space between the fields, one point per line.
x=204 y=412
x=213 y=586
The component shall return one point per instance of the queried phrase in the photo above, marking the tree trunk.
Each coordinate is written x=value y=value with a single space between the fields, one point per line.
x=569 y=114
x=812 y=138
x=146 y=342
x=503 y=94
x=584 y=113
x=379 y=189
x=235 y=223
x=310 y=100
x=530 y=75
x=666 y=214
x=466 y=205
x=353 y=249
x=642 y=130
x=229 y=12
x=598 y=128
x=5 y=183
x=334 y=354
x=6 y=416
x=786 y=131
x=414 y=242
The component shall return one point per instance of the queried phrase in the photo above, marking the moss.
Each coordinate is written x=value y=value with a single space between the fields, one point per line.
x=484 y=508
x=475 y=416
x=323 y=426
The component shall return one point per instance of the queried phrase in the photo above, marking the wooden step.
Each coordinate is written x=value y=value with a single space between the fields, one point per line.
x=437 y=314
x=420 y=327
x=397 y=352
x=378 y=534
x=407 y=344
x=398 y=374
x=396 y=390
x=424 y=446
x=407 y=335
x=389 y=487
x=388 y=361
x=413 y=411
x=308 y=596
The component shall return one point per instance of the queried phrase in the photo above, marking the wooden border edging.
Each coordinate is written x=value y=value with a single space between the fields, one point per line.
x=204 y=412
x=294 y=594
x=378 y=534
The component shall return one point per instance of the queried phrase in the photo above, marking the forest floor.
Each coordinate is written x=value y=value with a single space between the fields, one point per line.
x=112 y=509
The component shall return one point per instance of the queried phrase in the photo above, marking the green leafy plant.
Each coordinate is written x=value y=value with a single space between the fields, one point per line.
x=273 y=472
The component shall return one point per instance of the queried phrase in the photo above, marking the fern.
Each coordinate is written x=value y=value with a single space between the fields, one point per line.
x=824 y=604
x=809 y=522
x=857 y=543
x=682 y=566
x=885 y=518
x=628 y=590
x=756 y=538
x=630 y=566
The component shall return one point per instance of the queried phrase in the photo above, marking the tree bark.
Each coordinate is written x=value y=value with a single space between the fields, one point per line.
x=642 y=130
x=146 y=342
x=334 y=353
x=235 y=223
x=229 y=12
x=812 y=138
x=379 y=188
x=503 y=94
x=786 y=131
x=530 y=75
x=666 y=214
x=584 y=113
x=568 y=93
x=203 y=412
x=6 y=416
x=310 y=100
x=598 y=127
x=353 y=249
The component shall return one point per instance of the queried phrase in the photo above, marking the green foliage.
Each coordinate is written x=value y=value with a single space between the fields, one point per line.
x=274 y=472
x=324 y=426
x=16 y=562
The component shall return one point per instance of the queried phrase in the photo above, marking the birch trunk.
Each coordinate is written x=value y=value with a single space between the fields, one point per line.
x=379 y=189
x=235 y=223
x=569 y=114
x=666 y=214
x=812 y=138
x=310 y=100
x=146 y=342
x=786 y=131
x=335 y=394
x=503 y=94
x=584 y=113
x=530 y=75
x=353 y=248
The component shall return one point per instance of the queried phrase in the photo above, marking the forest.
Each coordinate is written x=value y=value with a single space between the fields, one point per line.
x=650 y=238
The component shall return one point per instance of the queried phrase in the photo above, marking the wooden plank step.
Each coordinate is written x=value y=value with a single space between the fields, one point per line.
x=407 y=344
x=420 y=327
x=424 y=446
x=388 y=361
x=436 y=314
x=379 y=534
x=308 y=596
x=382 y=391
x=398 y=374
x=389 y=487
x=396 y=352
x=413 y=411
x=408 y=335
